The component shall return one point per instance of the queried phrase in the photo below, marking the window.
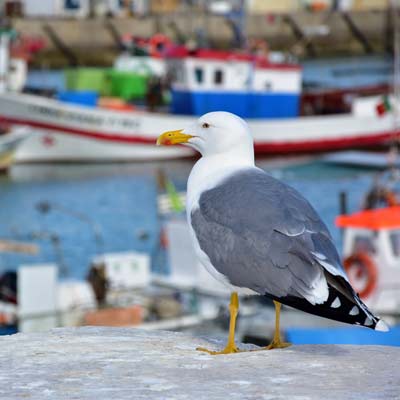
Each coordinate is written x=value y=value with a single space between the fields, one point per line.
x=72 y=4
x=395 y=243
x=268 y=85
x=198 y=73
x=363 y=244
x=218 y=77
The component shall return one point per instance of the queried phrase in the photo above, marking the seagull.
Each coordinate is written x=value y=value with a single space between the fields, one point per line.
x=258 y=235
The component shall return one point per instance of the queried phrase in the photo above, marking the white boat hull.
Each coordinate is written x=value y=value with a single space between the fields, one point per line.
x=9 y=143
x=47 y=145
x=67 y=132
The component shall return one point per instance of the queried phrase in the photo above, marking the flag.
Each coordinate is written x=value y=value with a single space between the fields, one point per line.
x=383 y=106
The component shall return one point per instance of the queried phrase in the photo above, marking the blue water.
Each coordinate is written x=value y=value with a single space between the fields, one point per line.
x=122 y=204
x=344 y=335
x=121 y=200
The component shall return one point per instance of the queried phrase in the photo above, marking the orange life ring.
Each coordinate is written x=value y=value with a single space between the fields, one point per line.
x=367 y=267
x=158 y=43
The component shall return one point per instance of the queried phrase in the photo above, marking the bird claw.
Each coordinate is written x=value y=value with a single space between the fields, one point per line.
x=277 y=344
x=228 y=350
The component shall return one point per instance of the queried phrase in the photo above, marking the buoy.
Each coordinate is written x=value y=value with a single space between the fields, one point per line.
x=158 y=43
x=359 y=266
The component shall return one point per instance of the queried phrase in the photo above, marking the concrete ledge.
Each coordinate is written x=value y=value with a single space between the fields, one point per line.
x=114 y=363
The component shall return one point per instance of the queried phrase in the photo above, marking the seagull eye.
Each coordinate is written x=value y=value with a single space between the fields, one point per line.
x=205 y=125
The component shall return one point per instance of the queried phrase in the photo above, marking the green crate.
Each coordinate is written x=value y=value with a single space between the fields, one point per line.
x=128 y=85
x=93 y=79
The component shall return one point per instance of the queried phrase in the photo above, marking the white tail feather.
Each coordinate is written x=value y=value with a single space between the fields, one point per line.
x=381 y=326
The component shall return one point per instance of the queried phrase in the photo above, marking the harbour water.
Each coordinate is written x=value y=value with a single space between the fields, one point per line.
x=120 y=200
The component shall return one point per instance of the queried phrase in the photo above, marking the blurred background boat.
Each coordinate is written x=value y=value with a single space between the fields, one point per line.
x=67 y=132
x=81 y=126
x=10 y=140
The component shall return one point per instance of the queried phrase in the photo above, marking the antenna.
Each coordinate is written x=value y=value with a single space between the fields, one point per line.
x=396 y=62
x=393 y=152
x=4 y=60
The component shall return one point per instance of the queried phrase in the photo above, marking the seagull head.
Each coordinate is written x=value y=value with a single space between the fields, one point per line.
x=212 y=134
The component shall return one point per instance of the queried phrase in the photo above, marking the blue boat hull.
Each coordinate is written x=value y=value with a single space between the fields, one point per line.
x=346 y=335
x=246 y=105
x=8 y=330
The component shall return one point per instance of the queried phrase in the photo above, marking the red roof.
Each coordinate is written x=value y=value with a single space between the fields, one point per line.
x=380 y=218
x=221 y=55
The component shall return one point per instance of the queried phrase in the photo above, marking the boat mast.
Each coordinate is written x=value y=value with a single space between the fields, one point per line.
x=393 y=152
x=4 y=59
x=396 y=62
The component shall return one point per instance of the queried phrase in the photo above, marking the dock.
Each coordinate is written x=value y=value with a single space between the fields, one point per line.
x=95 y=41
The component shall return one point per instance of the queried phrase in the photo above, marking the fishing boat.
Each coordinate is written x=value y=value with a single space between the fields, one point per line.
x=69 y=132
x=9 y=142
x=81 y=128
x=371 y=250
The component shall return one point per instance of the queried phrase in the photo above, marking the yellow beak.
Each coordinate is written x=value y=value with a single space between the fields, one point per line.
x=173 y=137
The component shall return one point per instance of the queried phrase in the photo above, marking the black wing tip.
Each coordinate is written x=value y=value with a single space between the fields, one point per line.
x=339 y=308
x=382 y=326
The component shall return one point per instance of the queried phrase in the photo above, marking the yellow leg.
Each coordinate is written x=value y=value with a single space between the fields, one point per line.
x=230 y=346
x=276 y=341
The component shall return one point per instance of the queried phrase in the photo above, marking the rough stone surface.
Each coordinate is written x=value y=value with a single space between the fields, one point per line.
x=114 y=363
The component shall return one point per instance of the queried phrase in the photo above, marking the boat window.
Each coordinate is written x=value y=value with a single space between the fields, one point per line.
x=198 y=73
x=363 y=244
x=268 y=85
x=395 y=242
x=218 y=77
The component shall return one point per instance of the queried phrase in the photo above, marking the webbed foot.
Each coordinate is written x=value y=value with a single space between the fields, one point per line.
x=277 y=344
x=228 y=350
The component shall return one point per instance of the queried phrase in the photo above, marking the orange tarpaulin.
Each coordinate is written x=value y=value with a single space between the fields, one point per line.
x=380 y=218
x=8 y=246
x=128 y=316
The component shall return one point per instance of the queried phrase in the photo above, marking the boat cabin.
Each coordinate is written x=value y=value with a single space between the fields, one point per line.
x=371 y=251
x=239 y=83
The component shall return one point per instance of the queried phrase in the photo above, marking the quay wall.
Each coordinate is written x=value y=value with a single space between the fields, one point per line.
x=328 y=32
x=127 y=363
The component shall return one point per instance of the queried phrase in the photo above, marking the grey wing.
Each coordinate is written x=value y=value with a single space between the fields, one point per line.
x=262 y=234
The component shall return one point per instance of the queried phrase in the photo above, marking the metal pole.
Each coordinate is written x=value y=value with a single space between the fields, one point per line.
x=396 y=64
x=4 y=60
x=343 y=203
x=343 y=207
